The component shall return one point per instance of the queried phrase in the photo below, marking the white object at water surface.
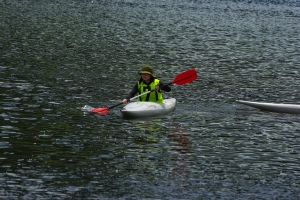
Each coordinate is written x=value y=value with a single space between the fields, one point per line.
x=148 y=109
x=273 y=107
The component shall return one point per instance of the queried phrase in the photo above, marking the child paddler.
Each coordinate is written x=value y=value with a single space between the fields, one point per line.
x=147 y=82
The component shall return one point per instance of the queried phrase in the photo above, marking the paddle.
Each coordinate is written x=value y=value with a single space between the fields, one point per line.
x=181 y=79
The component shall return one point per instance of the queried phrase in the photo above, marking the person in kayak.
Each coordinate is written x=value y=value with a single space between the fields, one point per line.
x=147 y=82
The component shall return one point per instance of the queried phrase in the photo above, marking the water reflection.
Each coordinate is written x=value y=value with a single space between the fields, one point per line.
x=181 y=155
x=156 y=153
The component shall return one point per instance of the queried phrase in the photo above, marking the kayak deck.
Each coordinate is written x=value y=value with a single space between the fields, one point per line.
x=273 y=107
x=148 y=109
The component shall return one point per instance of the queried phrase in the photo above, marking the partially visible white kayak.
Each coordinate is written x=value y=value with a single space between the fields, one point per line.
x=148 y=109
x=273 y=107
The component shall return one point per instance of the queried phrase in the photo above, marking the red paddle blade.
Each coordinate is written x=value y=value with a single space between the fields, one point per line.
x=100 y=110
x=185 y=77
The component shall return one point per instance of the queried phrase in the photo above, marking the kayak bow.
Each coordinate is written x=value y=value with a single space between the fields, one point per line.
x=273 y=107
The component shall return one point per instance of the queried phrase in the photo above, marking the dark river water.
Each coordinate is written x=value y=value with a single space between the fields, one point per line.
x=58 y=55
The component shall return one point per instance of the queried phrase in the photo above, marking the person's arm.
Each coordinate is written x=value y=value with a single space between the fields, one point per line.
x=164 y=88
x=131 y=94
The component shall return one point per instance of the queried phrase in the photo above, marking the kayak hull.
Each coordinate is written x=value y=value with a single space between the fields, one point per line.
x=141 y=109
x=273 y=107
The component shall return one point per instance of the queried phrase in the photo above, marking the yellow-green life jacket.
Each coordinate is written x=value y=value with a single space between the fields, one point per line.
x=155 y=96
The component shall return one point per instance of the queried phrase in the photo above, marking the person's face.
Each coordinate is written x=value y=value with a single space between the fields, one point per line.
x=146 y=77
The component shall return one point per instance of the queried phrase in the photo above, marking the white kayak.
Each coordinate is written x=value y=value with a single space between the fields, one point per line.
x=273 y=107
x=148 y=109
